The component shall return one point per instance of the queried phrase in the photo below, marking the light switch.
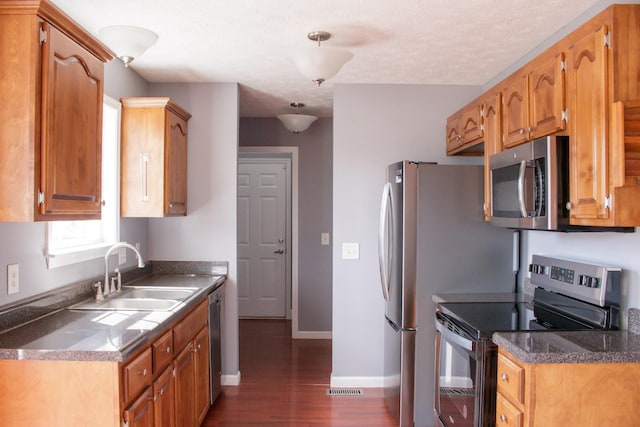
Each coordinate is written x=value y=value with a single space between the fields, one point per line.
x=350 y=251
x=324 y=239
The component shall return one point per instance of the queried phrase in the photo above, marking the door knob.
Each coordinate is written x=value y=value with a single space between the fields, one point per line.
x=278 y=251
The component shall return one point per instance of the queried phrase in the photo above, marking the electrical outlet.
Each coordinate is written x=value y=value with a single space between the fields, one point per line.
x=324 y=239
x=13 y=279
x=122 y=255
x=350 y=251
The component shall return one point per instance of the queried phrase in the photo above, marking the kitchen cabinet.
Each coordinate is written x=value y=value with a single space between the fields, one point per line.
x=603 y=63
x=464 y=129
x=51 y=115
x=492 y=120
x=566 y=394
x=534 y=100
x=154 y=158
x=143 y=390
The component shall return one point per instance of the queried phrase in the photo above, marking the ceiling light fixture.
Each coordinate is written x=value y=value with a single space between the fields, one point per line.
x=128 y=42
x=297 y=122
x=320 y=64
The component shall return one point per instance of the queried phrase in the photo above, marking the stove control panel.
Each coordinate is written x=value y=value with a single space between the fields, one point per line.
x=593 y=283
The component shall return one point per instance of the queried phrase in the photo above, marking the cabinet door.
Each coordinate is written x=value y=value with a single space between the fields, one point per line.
x=588 y=156
x=492 y=142
x=164 y=395
x=453 y=133
x=201 y=348
x=71 y=128
x=184 y=366
x=471 y=123
x=515 y=113
x=176 y=176
x=547 y=97
x=140 y=414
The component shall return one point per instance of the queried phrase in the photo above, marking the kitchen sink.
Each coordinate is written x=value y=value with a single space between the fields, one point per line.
x=143 y=298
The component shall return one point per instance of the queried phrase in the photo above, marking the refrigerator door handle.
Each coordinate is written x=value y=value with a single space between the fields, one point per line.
x=385 y=239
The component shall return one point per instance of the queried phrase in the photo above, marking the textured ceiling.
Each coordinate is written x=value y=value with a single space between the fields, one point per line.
x=464 y=42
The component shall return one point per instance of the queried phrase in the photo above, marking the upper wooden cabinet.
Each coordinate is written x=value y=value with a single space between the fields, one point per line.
x=50 y=115
x=154 y=158
x=603 y=65
x=464 y=128
x=534 y=100
x=492 y=121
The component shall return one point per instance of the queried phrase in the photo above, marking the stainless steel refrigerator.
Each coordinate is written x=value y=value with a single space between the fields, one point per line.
x=432 y=239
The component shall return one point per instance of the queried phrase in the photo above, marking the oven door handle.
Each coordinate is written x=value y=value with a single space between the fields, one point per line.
x=452 y=337
x=523 y=208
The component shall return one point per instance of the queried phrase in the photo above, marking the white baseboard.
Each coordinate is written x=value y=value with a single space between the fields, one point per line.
x=230 y=379
x=312 y=335
x=363 y=382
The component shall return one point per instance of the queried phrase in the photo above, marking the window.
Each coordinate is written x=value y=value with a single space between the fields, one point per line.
x=69 y=242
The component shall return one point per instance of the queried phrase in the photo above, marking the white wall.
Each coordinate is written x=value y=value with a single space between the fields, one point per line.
x=375 y=125
x=208 y=232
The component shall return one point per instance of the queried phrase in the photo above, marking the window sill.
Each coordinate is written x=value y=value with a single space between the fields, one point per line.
x=73 y=256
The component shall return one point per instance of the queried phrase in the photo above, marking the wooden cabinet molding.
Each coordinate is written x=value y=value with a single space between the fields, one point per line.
x=154 y=158
x=50 y=158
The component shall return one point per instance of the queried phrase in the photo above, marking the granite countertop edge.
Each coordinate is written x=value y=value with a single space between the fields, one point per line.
x=127 y=349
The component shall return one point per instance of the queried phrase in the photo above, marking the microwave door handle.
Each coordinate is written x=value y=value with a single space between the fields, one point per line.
x=541 y=191
x=523 y=168
x=385 y=235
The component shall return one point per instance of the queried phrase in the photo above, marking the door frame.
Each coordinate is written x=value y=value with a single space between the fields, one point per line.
x=287 y=152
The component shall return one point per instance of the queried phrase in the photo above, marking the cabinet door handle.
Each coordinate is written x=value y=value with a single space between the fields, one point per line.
x=167 y=350
x=503 y=418
x=144 y=171
x=504 y=377
x=143 y=372
x=521 y=131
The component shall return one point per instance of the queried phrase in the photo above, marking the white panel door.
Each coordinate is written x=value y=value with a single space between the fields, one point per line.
x=261 y=240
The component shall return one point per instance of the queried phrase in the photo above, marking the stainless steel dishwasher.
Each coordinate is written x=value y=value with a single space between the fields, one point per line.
x=216 y=299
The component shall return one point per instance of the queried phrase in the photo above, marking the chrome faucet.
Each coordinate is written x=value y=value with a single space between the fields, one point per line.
x=105 y=287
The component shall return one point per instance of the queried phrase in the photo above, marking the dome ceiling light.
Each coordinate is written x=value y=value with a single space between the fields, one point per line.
x=297 y=122
x=320 y=64
x=127 y=42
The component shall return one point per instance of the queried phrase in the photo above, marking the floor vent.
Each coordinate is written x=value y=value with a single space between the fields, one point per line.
x=344 y=392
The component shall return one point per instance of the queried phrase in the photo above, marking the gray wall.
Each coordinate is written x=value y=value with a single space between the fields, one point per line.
x=375 y=125
x=314 y=210
x=208 y=232
x=23 y=243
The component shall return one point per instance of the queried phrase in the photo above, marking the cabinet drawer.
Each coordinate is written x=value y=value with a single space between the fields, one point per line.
x=510 y=379
x=184 y=331
x=162 y=351
x=507 y=415
x=137 y=374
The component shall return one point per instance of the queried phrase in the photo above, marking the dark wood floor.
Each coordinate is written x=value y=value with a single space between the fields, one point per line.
x=284 y=383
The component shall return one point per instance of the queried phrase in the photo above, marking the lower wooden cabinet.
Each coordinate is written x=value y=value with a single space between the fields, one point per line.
x=566 y=394
x=146 y=390
x=164 y=399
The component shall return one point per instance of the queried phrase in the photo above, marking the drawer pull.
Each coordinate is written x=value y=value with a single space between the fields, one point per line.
x=503 y=418
x=504 y=377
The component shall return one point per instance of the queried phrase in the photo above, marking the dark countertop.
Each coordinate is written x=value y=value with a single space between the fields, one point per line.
x=574 y=346
x=69 y=334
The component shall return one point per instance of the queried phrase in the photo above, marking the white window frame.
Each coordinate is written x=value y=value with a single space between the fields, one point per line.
x=110 y=216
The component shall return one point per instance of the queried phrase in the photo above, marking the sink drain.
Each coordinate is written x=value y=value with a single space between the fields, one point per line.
x=345 y=392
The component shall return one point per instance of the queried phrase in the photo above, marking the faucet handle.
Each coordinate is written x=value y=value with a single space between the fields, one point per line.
x=99 y=294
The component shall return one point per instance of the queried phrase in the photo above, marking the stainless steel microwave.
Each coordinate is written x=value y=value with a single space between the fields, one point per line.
x=529 y=185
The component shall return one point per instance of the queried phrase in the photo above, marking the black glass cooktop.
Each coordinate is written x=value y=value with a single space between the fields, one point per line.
x=481 y=319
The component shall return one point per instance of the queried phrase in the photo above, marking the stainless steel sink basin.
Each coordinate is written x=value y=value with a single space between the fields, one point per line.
x=141 y=298
x=179 y=294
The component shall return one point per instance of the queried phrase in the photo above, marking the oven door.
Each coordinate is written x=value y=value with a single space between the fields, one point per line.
x=457 y=376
